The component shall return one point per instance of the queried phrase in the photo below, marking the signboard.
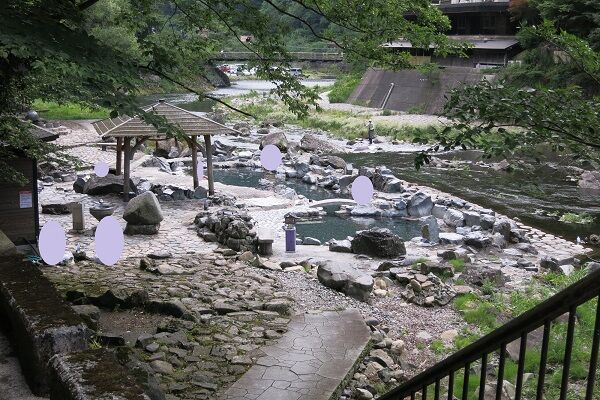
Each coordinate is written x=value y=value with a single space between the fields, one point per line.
x=25 y=199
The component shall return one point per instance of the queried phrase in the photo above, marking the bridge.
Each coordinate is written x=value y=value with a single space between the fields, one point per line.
x=332 y=202
x=297 y=56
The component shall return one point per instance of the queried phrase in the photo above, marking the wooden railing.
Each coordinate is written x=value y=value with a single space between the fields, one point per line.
x=439 y=380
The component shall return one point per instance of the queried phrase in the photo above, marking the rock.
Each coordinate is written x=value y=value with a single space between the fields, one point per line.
x=340 y=246
x=143 y=210
x=89 y=313
x=222 y=307
x=472 y=218
x=566 y=269
x=439 y=211
x=246 y=256
x=378 y=242
x=430 y=229
x=302 y=169
x=56 y=208
x=590 y=180
x=106 y=185
x=132 y=229
x=365 y=210
x=346 y=280
x=503 y=165
x=503 y=227
x=161 y=367
x=487 y=222
x=79 y=185
x=397 y=347
x=200 y=193
x=333 y=161
x=315 y=144
x=280 y=306
x=592 y=267
x=451 y=238
x=382 y=358
x=454 y=218
x=310 y=241
x=160 y=255
x=478 y=276
x=363 y=394
x=7 y=247
x=478 y=240
x=276 y=138
x=420 y=205
x=449 y=335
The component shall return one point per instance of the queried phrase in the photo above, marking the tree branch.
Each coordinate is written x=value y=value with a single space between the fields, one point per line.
x=186 y=87
x=86 y=4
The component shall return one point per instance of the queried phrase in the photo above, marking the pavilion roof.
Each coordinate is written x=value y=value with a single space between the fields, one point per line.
x=191 y=124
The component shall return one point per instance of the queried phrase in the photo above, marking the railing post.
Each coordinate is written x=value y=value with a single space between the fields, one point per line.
x=594 y=354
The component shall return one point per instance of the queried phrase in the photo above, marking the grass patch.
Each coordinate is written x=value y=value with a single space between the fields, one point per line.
x=574 y=218
x=53 y=110
x=457 y=264
x=344 y=86
x=489 y=312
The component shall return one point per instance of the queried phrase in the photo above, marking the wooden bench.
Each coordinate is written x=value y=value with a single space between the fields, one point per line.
x=265 y=239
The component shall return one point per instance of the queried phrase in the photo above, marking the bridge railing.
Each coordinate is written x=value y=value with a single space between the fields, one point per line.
x=298 y=55
x=490 y=352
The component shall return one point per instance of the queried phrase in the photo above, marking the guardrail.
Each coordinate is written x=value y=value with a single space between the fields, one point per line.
x=495 y=343
x=299 y=56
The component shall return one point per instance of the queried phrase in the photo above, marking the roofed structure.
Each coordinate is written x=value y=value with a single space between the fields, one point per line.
x=125 y=128
x=192 y=124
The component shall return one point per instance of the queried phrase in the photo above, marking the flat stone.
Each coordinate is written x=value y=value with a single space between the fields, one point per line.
x=161 y=367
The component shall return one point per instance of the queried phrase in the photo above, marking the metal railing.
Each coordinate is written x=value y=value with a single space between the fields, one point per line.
x=298 y=55
x=494 y=345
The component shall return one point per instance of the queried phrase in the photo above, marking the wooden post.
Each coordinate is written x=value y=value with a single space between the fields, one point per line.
x=119 y=165
x=194 y=147
x=209 y=165
x=127 y=169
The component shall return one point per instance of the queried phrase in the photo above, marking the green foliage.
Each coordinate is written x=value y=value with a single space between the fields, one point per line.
x=514 y=303
x=344 y=86
x=579 y=17
x=504 y=117
x=101 y=53
x=53 y=110
x=574 y=218
x=457 y=264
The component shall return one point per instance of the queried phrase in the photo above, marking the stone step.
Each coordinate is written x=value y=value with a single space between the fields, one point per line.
x=310 y=361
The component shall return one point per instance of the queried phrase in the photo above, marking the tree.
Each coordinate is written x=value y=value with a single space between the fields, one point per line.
x=579 y=17
x=502 y=118
x=97 y=52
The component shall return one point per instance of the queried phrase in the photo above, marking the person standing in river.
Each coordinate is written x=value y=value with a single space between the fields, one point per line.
x=370 y=131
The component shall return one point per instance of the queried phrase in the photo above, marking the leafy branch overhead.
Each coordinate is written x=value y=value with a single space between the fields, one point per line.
x=502 y=117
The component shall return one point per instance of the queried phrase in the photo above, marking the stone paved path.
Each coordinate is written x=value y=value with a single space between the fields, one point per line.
x=308 y=362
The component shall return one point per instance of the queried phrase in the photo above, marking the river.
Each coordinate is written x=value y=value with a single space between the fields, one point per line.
x=536 y=196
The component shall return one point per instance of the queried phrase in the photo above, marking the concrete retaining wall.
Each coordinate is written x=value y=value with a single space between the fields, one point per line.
x=413 y=91
x=52 y=341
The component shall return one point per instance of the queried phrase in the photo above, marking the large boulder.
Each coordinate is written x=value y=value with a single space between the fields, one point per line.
x=590 y=180
x=143 y=210
x=454 y=218
x=340 y=246
x=106 y=185
x=313 y=143
x=333 y=161
x=386 y=182
x=430 y=229
x=347 y=280
x=378 y=242
x=276 y=138
x=420 y=205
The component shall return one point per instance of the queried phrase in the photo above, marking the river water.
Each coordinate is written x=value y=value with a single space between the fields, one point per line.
x=532 y=195
x=536 y=196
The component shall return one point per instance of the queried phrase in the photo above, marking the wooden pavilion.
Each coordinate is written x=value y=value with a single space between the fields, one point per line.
x=125 y=128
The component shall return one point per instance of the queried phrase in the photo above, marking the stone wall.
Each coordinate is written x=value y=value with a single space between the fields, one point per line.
x=229 y=226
